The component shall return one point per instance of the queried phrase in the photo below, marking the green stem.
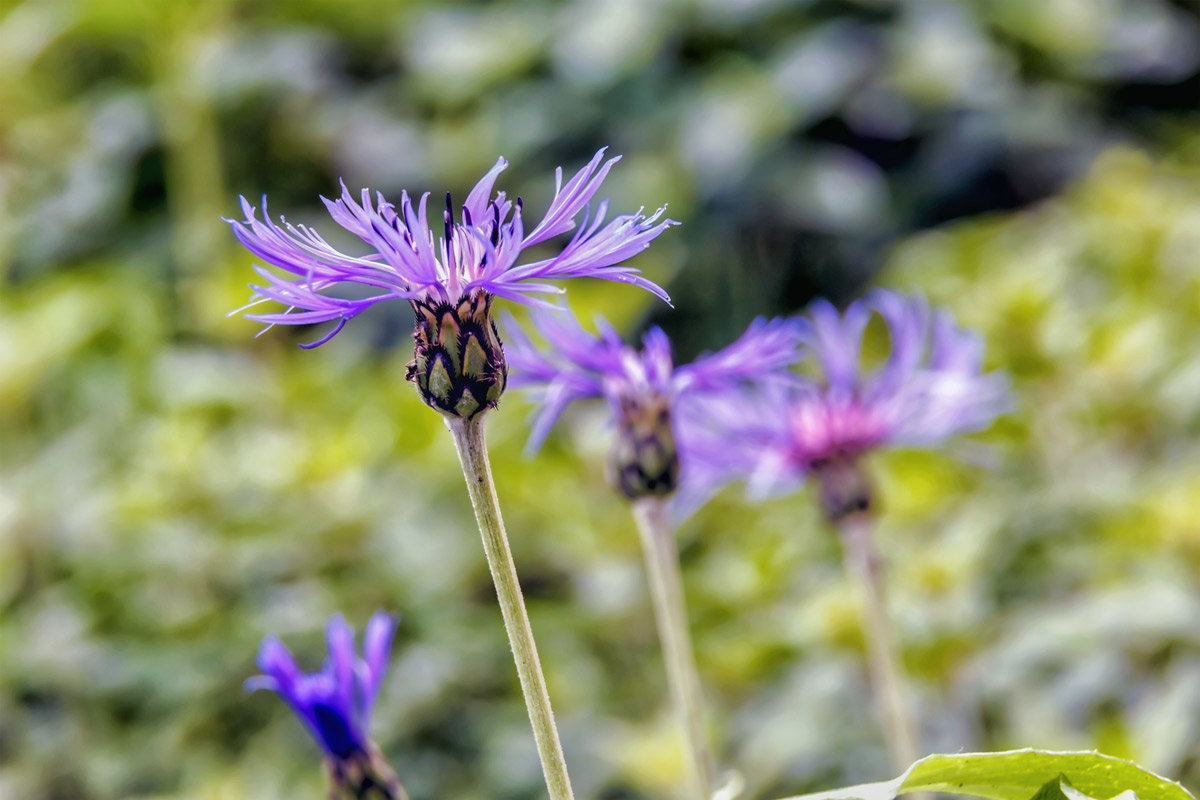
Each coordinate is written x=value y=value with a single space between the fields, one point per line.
x=886 y=671
x=193 y=163
x=666 y=589
x=470 y=441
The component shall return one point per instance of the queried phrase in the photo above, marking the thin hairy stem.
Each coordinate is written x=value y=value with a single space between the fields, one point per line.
x=470 y=442
x=886 y=671
x=670 y=612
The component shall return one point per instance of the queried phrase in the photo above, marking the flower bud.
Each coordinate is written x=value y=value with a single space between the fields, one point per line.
x=459 y=364
x=644 y=458
x=844 y=486
x=364 y=776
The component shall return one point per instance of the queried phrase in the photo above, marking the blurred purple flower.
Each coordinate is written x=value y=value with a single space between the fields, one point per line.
x=930 y=387
x=578 y=365
x=334 y=704
x=478 y=253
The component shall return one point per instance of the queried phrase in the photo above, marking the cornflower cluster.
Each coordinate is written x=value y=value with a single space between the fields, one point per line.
x=458 y=366
x=740 y=414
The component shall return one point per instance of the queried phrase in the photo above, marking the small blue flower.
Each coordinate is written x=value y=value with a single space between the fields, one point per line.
x=930 y=387
x=477 y=251
x=334 y=704
x=655 y=404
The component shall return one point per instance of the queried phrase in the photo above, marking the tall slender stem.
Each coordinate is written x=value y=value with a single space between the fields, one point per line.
x=886 y=671
x=666 y=589
x=469 y=440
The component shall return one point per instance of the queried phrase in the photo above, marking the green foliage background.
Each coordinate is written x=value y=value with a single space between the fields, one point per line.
x=171 y=489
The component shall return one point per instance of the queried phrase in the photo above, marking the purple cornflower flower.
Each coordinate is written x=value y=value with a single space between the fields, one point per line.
x=931 y=387
x=654 y=404
x=334 y=704
x=451 y=279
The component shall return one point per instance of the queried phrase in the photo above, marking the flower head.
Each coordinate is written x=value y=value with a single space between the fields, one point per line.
x=334 y=704
x=478 y=248
x=450 y=279
x=930 y=387
x=657 y=407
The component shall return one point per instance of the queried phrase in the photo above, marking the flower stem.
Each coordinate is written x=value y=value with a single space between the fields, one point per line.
x=666 y=589
x=469 y=440
x=886 y=671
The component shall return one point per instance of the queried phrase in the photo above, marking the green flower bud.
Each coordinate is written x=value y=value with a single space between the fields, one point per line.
x=459 y=364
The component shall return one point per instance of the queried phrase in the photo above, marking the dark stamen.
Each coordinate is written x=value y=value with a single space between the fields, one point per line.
x=448 y=218
x=495 y=224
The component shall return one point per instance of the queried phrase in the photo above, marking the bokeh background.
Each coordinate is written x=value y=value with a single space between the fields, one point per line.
x=172 y=489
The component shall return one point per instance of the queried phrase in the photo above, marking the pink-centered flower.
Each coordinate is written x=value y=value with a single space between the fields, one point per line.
x=930 y=387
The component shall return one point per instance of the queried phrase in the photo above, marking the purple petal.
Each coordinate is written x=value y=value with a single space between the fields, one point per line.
x=761 y=353
x=569 y=200
x=907 y=321
x=837 y=341
x=276 y=661
x=477 y=201
x=377 y=646
x=336 y=330
x=340 y=640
